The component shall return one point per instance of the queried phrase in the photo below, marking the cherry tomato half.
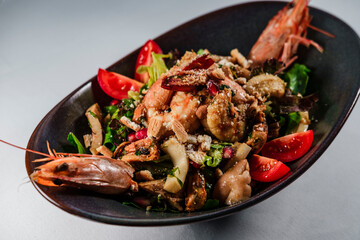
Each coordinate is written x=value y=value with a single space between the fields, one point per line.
x=116 y=85
x=290 y=147
x=145 y=58
x=265 y=169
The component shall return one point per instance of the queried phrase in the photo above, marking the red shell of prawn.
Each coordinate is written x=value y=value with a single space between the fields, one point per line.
x=275 y=37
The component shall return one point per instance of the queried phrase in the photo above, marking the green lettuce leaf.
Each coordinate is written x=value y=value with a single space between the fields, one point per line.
x=157 y=67
x=214 y=155
x=297 y=78
x=293 y=121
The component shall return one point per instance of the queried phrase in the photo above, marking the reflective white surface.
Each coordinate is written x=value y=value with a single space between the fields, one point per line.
x=49 y=48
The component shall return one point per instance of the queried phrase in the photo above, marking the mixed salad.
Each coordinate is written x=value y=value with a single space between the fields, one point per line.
x=200 y=129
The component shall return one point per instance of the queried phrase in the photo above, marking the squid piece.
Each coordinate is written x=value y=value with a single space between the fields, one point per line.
x=176 y=150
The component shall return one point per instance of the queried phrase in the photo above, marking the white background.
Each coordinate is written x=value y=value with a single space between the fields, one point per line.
x=49 y=48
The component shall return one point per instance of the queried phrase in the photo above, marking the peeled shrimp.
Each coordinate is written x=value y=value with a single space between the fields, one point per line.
x=223 y=120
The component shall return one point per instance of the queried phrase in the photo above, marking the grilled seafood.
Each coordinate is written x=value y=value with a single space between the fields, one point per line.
x=96 y=173
x=223 y=120
x=283 y=34
x=102 y=175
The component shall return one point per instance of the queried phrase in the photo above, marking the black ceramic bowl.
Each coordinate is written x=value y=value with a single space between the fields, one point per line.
x=333 y=75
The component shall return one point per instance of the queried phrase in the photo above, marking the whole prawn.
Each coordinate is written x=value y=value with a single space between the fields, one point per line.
x=93 y=172
x=283 y=34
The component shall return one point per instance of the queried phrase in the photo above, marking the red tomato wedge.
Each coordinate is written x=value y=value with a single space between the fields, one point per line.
x=289 y=147
x=265 y=169
x=116 y=85
x=145 y=58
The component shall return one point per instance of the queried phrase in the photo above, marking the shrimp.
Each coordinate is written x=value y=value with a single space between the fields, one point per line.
x=96 y=173
x=283 y=34
x=168 y=106
x=180 y=120
x=157 y=98
x=102 y=175
x=223 y=120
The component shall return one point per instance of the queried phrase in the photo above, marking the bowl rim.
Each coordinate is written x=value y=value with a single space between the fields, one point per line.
x=210 y=214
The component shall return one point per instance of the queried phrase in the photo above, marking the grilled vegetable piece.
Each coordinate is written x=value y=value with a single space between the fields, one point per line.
x=156 y=187
x=196 y=193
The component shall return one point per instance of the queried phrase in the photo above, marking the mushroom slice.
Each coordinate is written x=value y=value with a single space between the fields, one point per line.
x=156 y=187
x=233 y=186
x=266 y=85
x=94 y=117
x=196 y=193
x=176 y=150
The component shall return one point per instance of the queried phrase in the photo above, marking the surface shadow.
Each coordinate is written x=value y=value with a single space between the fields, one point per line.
x=219 y=228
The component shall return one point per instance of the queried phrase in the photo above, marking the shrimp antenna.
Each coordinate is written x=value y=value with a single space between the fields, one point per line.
x=28 y=150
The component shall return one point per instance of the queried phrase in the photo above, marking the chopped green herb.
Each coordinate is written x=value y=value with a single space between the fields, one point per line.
x=93 y=114
x=172 y=174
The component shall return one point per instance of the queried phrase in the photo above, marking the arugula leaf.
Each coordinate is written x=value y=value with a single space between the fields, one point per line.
x=294 y=120
x=297 y=78
x=71 y=138
x=157 y=67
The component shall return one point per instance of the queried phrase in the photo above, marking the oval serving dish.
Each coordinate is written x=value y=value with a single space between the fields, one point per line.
x=333 y=75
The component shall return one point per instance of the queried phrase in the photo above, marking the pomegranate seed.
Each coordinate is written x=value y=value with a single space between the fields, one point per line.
x=114 y=102
x=141 y=134
x=132 y=137
x=194 y=164
x=228 y=152
x=212 y=87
